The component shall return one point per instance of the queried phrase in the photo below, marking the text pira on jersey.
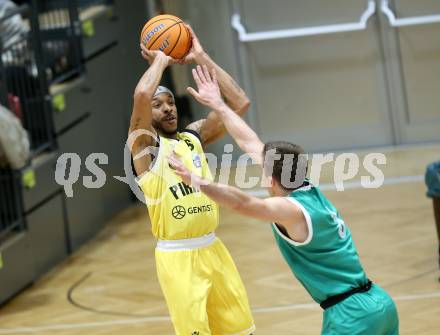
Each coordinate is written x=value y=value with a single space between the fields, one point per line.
x=181 y=190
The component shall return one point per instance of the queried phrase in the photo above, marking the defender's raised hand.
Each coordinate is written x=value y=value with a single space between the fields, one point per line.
x=208 y=90
x=182 y=171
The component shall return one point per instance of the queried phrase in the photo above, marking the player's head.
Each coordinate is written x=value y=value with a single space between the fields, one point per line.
x=285 y=164
x=164 y=111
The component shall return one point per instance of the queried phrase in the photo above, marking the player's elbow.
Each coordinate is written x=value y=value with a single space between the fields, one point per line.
x=244 y=106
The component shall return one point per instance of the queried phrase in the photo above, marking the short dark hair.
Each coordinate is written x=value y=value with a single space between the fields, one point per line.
x=282 y=150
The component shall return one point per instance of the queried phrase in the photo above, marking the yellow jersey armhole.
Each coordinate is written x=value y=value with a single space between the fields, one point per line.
x=141 y=180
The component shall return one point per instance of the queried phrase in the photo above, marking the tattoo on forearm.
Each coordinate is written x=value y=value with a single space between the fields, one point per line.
x=149 y=81
x=151 y=77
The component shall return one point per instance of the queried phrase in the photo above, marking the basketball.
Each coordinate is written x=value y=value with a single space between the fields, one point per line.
x=167 y=33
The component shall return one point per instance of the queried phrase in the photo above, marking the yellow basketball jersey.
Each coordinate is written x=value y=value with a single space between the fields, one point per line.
x=179 y=211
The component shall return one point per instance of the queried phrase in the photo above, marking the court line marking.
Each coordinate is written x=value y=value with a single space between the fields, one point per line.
x=262 y=192
x=406 y=280
x=350 y=185
x=68 y=326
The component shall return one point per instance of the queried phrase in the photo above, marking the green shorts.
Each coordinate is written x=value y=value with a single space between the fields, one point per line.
x=372 y=312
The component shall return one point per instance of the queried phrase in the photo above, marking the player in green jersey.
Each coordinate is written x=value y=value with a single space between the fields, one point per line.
x=310 y=233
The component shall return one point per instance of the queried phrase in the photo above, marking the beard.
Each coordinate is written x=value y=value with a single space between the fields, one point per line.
x=168 y=132
x=165 y=131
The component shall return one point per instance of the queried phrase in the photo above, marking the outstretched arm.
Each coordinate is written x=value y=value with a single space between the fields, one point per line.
x=212 y=128
x=209 y=95
x=276 y=209
x=141 y=117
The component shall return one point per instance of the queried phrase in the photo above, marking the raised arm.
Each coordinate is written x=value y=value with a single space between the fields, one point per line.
x=245 y=136
x=141 y=117
x=209 y=94
x=212 y=128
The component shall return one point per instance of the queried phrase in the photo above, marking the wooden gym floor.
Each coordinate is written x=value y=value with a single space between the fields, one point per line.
x=109 y=286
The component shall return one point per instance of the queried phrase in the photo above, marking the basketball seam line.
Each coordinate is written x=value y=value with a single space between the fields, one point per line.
x=152 y=43
x=145 y=28
x=177 y=41
x=188 y=47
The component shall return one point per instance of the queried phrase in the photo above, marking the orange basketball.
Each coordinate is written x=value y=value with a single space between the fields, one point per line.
x=167 y=33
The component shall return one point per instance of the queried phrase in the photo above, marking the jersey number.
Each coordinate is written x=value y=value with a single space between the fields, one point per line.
x=189 y=144
x=340 y=223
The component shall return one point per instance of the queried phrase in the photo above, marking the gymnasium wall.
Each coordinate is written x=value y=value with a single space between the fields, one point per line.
x=376 y=86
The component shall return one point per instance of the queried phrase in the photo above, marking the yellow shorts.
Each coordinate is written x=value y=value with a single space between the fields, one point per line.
x=203 y=289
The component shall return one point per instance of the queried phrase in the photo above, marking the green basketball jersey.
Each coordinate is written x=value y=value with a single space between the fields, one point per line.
x=326 y=263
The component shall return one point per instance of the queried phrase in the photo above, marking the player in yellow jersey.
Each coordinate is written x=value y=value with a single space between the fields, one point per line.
x=202 y=287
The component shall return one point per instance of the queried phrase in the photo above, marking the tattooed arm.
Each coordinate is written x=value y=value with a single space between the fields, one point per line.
x=141 y=117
